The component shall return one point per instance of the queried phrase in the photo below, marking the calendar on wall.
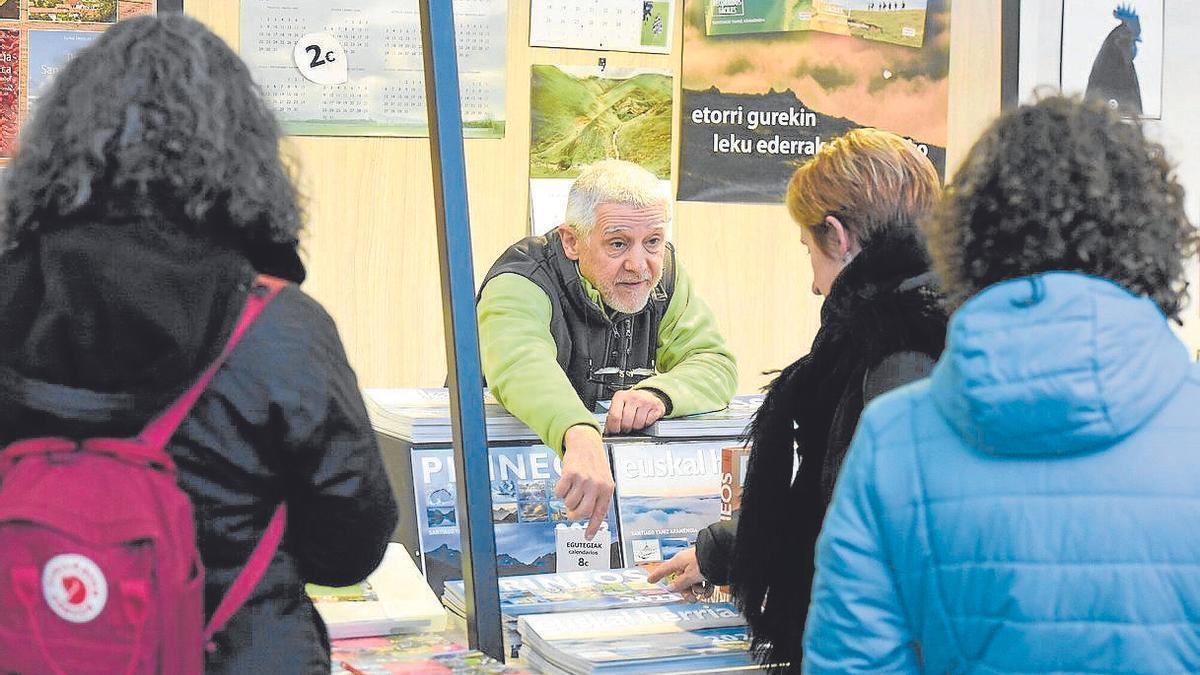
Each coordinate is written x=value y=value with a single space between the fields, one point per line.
x=383 y=93
x=37 y=39
x=613 y=25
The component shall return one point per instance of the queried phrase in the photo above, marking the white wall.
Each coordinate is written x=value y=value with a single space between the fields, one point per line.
x=1177 y=130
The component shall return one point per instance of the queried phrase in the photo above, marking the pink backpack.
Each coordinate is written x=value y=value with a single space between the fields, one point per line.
x=99 y=571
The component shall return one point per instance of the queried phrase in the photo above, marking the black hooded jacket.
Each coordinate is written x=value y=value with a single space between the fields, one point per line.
x=104 y=325
x=882 y=325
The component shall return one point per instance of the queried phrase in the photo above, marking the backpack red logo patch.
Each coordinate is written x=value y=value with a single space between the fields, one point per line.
x=74 y=587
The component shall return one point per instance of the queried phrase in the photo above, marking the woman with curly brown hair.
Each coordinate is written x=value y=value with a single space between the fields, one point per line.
x=147 y=197
x=1031 y=506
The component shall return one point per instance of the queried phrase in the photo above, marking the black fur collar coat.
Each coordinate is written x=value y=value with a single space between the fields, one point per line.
x=882 y=304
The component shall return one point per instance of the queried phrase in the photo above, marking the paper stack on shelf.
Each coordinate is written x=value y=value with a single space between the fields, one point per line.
x=394 y=599
x=730 y=421
x=426 y=653
x=675 y=638
x=423 y=416
x=567 y=592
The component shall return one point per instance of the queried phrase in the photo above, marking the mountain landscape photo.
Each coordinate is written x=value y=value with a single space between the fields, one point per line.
x=580 y=118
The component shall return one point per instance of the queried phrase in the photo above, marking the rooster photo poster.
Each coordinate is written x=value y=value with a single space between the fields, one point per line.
x=1113 y=52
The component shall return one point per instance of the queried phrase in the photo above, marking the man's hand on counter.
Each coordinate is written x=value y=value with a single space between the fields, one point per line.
x=633 y=409
x=586 y=485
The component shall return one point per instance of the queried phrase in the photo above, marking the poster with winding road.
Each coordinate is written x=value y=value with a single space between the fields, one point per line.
x=580 y=115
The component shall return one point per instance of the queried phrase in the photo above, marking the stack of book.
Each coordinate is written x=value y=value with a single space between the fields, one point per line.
x=565 y=592
x=730 y=421
x=393 y=600
x=392 y=623
x=423 y=416
x=675 y=638
x=424 y=654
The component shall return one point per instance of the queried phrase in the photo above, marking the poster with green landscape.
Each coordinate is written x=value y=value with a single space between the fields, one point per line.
x=581 y=115
x=737 y=17
x=73 y=11
x=900 y=22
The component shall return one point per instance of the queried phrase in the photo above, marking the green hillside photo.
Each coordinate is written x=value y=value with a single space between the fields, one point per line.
x=890 y=26
x=578 y=119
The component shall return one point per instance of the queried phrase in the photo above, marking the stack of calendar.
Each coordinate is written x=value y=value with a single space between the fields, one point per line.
x=423 y=416
x=731 y=421
x=563 y=592
x=676 y=638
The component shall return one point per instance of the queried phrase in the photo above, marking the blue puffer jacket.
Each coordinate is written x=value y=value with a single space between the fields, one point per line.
x=1033 y=506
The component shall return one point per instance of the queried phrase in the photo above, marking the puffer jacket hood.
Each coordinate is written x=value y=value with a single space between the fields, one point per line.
x=1055 y=364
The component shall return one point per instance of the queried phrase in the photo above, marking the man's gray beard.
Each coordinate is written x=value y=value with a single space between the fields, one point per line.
x=607 y=293
x=627 y=310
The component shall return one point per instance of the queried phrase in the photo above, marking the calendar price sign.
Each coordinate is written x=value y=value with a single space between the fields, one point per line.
x=574 y=552
x=321 y=59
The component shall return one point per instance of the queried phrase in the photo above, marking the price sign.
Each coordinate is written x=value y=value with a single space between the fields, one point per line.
x=575 y=553
x=321 y=59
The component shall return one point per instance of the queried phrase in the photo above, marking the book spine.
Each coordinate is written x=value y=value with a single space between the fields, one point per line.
x=733 y=475
x=731 y=488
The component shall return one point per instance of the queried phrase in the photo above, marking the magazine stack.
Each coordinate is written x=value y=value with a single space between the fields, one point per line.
x=673 y=638
x=423 y=416
x=421 y=653
x=391 y=623
x=566 y=592
x=733 y=421
x=394 y=599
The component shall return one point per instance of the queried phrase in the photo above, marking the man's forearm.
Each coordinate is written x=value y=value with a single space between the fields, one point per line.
x=702 y=383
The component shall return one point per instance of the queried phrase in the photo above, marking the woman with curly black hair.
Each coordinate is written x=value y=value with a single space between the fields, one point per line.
x=1031 y=506
x=147 y=197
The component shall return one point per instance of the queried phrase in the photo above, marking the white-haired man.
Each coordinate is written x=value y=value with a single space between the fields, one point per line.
x=598 y=309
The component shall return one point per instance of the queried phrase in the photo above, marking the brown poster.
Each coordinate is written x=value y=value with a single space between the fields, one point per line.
x=757 y=104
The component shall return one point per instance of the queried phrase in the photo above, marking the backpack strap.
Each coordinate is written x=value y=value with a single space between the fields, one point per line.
x=161 y=428
x=248 y=578
x=159 y=431
x=150 y=445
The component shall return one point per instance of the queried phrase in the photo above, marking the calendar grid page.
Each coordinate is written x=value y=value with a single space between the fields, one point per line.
x=612 y=25
x=384 y=94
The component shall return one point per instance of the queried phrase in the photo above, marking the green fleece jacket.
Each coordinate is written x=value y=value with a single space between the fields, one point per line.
x=697 y=372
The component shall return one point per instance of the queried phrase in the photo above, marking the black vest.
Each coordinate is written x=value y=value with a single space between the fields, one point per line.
x=600 y=354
